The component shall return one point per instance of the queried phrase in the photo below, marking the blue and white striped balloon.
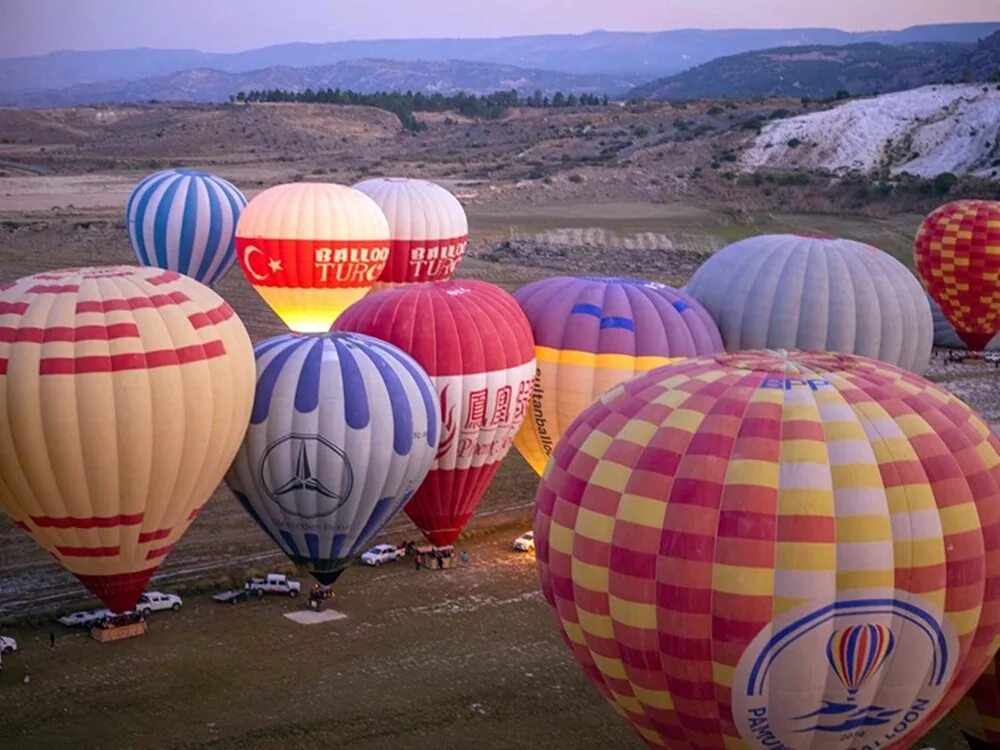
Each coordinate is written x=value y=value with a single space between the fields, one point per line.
x=343 y=431
x=184 y=220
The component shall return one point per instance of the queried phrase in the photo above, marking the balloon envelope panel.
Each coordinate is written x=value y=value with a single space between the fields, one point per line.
x=816 y=293
x=945 y=336
x=310 y=249
x=344 y=429
x=476 y=345
x=592 y=333
x=124 y=394
x=185 y=220
x=957 y=250
x=428 y=226
x=756 y=549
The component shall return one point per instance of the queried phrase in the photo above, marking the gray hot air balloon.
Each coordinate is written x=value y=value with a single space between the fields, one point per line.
x=343 y=431
x=791 y=291
x=945 y=336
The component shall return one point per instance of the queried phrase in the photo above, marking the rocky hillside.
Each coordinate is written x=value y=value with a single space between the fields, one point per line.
x=923 y=132
x=364 y=76
x=822 y=71
x=649 y=55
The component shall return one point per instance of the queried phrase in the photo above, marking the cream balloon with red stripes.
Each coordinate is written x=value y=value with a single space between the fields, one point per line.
x=311 y=249
x=124 y=395
x=428 y=226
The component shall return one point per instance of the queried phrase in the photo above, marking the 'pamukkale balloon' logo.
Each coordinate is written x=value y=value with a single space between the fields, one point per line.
x=891 y=655
x=296 y=464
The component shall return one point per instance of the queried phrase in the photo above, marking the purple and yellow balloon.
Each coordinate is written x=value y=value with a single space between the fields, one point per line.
x=592 y=333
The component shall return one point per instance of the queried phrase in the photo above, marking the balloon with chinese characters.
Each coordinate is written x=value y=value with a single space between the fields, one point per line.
x=310 y=249
x=774 y=549
x=124 y=395
x=428 y=225
x=476 y=345
x=593 y=333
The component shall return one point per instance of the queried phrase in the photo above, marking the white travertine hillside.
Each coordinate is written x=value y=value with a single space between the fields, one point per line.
x=923 y=132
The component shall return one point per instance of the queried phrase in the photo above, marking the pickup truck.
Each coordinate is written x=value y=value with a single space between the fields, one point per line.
x=273 y=583
x=382 y=553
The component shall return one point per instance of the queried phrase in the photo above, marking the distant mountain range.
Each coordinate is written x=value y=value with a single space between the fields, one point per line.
x=618 y=54
x=820 y=71
x=364 y=76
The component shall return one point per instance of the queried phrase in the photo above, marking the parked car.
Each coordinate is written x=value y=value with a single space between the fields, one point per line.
x=85 y=618
x=525 y=542
x=273 y=583
x=383 y=553
x=7 y=645
x=154 y=601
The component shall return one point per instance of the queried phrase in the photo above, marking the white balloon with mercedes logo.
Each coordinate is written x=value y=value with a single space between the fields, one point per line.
x=343 y=431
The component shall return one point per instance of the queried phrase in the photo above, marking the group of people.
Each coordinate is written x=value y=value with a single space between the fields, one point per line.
x=437 y=557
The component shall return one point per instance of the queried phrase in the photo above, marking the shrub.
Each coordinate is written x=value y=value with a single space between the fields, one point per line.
x=794 y=143
x=944 y=182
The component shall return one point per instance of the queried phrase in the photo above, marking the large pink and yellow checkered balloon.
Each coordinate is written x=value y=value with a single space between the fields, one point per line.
x=767 y=550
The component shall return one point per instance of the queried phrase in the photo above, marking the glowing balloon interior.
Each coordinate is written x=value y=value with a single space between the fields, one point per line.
x=124 y=394
x=311 y=249
x=344 y=429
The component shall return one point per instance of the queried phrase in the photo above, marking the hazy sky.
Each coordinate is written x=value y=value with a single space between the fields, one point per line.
x=29 y=27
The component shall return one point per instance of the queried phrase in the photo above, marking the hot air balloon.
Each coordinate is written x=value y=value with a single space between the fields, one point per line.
x=344 y=429
x=817 y=293
x=310 y=249
x=978 y=713
x=775 y=549
x=945 y=336
x=958 y=258
x=475 y=343
x=428 y=227
x=184 y=220
x=124 y=394
x=857 y=652
x=593 y=333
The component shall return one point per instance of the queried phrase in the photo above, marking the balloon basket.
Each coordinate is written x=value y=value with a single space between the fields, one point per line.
x=118 y=632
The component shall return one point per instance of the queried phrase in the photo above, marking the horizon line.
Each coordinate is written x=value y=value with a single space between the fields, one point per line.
x=493 y=38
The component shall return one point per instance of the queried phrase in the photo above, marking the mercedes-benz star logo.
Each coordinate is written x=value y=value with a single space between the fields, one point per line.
x=328 y=494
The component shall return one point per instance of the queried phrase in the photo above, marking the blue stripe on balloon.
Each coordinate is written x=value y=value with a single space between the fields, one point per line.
x=680 y=305
x=426 y=388
x=160 y=222
x=292 y=547
x=138 y=191
x=355 y=393
x=216 y=217
x=237 y=202
x=623 y=323
x=140 y=212
x=268 y=379
x=307 y=389
x=312 y=543
x=189 y=227
x=402 y=416
x=268 y=344
x=340 y=547
x=585 y=309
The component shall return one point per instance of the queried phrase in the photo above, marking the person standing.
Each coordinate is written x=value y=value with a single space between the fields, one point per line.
x=52 y=639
